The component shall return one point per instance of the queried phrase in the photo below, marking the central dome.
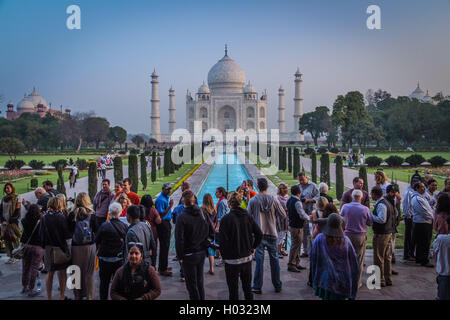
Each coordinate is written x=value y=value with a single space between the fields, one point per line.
x=226 y=74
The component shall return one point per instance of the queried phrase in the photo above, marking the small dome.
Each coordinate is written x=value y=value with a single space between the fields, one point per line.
x=36 y=99
x=249 y=88
x=25 y=105
x=427 y=98
x=204 y=89
x=417 y=94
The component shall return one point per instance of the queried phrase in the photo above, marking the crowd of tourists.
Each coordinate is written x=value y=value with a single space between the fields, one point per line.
x=127 y=238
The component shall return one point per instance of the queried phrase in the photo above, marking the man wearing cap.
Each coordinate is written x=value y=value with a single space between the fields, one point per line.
x=163 y=205
x=383 y=226
x=357 y=218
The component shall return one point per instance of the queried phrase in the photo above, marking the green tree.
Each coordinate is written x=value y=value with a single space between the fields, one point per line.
x=118 y=169
x=133 y=172
x=317 y=123
x=363 y=175
x=12 y=147
x=137 y=140
x=92 y=180
x=143 y=171
x=153 y=172
x=166 y=162
x=118 y=135
x=325 y=168
x=289 y=159
x=314 y=167
x=95 y=130
x=296 y=168
x=60 y=182
x=339 y=178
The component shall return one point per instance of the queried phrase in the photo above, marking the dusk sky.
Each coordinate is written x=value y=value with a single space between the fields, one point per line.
x=106 y=66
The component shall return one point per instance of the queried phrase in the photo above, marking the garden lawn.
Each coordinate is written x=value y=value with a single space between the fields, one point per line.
x=154 y=188
x=404 y=174
x=48 y=159
x=23 y=185
x=426 y=155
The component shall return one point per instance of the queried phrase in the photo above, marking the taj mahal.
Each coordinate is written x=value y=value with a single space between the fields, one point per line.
x=228 y=101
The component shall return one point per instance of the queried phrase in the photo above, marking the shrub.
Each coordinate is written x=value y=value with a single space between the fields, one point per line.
x=339 y=178
x=60 y=182
x=82 y=164
x=36 y=164
x=334 y=150
x=153 y=172
x=134 y=151
x=437 y=161
x=394 y=161
x=62 y=162
x=322 y=150
x=373 y=161
x=34 y=183
x=296 y=160
x=415 y=159
x=133 y=172
x=309 y=150
x=118 y=169
x=363 y=175
x=325 y=168
x=42 y=173
x=314 y=167
x=92 y=180
x=143 y=171
x=122 y=152
x=14 y=164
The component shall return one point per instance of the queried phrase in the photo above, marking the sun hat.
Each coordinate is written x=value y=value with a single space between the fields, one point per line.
x=333 y=227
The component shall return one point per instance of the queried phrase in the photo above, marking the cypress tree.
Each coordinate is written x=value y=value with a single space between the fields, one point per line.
x=284 y=159
x=166 y=163
x=171 y=164
x=143 y=171
x=339 y=178
x=118 y=169
x=314 y=167
x=325 y=168
x=153 y=172
x=60 y=183
x=133 y=172
x=92 y=180
x=296 y=164
x=363 y=175
x=290 y=159
x=280 y=158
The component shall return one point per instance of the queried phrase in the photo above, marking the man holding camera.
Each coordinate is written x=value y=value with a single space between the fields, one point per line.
x=309 y=196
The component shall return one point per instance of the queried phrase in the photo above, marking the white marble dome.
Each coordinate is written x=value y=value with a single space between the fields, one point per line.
x=249 y=88
x=226 y=74
x=36 y=99
x=417 y=93
x=25 y=105
x=204 y=89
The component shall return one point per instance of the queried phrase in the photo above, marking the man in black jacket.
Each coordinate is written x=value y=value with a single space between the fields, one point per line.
x=110 y=240
x=192 y=233
x=239 y=235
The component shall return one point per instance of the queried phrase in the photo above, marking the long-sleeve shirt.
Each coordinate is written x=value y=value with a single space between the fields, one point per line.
x=101 y=203
x=381 y=212
x=309 y=191
x=430 y=198
x=153 y=287
x=421 y=209
x=357 y=217
x=301 y=212
x=406 y=204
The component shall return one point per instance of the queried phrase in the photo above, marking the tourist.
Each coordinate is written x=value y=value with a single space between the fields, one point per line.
x=264 y=209
x=441 y=253
x=357 y=218
x=392 y=196
x=102 y=200
x=323 y=189
x=422 y=214
x=193 y=235
x=134 y=198
x=442 y=212
x=250 y=188
x=381 y=180
x=140 y=232
x=358 y=184
x=222 y=205
x=38 y=193
x=49 y=192
x=209 y=211
x=282 y=225
x=175 y=214
x=297 y=219
x=99 y=168
x=136 y=280
x=245 y=195
x=239 y=237
x=118 y=189
x=408 y=244
x=321 y=222
x=63 y=201
x=152 y=217
x=446 y=188
x=383 y=217
x=81 y=225
x=186 y=186
x=103 y=168
x=310 y=194
x=124 y=202
x=9 y=218
x=318 y=212
x=73 y=176
x=164 y=206
x=55 y=238
x=33 y=253
x=334 y=263
x=430 y=193
x=110 y=240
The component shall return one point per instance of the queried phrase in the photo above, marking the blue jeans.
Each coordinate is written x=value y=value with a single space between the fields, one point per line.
x=269 y=243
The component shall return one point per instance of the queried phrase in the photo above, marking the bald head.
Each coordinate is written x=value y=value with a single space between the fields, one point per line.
x=39 y=192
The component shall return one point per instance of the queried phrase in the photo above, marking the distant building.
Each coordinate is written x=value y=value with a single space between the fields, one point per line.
x=420 y=95
x=33 y=103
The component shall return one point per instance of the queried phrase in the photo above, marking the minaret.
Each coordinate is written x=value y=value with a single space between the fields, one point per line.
x=155 y=130
x=281 y=122
x=172 y=122
x=298 y=110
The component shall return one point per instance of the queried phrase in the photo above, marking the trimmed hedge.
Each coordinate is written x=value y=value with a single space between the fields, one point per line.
x=36 y=164
x=325 y=168
x=415 y=159
x=339 y=178
x=437 y=161
x=133 y=172
x=373 y=161
x=363 y=175
x=82 y=164
x=309 y=150
x=92 y=180
x=314 y=167
x=143 y=171
x=322 y=150
x=394 y=161
x=118 y=169
x=14 y=164
x=60 y=182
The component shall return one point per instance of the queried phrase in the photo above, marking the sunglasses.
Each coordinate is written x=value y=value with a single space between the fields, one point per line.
x=137 y=244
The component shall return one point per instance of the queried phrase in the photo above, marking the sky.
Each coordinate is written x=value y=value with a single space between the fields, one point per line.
x=106 y=65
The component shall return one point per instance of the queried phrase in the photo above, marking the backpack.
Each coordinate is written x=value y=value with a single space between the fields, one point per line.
x=83 y=233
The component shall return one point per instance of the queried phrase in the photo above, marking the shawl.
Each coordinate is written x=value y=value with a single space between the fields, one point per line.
x=10 y=201
x=336 y=268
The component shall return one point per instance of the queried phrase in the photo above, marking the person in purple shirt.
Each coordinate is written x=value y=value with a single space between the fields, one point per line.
x=357 y=218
